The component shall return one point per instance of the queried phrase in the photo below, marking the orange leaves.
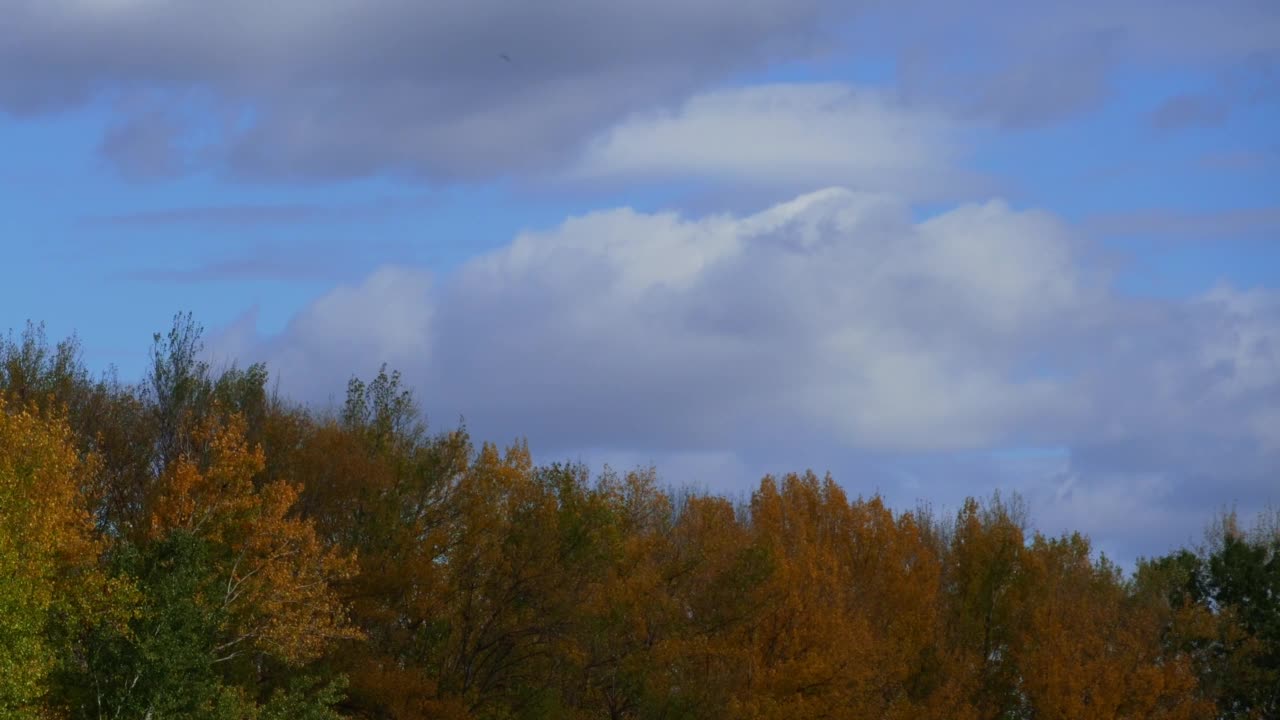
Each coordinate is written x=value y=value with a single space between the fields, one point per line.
x=275 y=572
x=868 y=614
x=282 y=574
x=852 y=623
x=213 y=500
x=1087 y=649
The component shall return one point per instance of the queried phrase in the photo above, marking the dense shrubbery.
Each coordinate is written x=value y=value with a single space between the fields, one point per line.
x=194 y=547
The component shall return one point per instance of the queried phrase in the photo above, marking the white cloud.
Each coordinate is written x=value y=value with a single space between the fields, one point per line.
x=349 y=330
x=834 y=310
x=795 y=137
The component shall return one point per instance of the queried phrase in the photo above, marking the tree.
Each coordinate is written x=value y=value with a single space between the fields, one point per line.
x=1087 y=648
x=48 y=555
x=1244 y=579
x=377 y=486
x=982 y=581
x=32 y=373
x=276 y=576
x=237 y=595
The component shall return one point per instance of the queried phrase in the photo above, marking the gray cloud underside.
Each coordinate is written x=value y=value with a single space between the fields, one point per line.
x=1030 y=64
x=338 y=88
x=341 y=88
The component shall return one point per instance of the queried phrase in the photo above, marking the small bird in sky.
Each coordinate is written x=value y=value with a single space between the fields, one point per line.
x=505 y=56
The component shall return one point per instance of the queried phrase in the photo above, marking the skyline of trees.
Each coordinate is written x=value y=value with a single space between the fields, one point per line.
x=196 y=546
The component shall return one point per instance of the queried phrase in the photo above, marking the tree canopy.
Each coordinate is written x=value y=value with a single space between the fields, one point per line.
x=195 y=546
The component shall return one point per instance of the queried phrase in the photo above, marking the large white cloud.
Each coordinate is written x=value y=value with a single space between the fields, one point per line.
x=983 y=326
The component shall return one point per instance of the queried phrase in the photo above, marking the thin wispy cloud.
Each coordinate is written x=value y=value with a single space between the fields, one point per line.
x=238 y=269
x=1190 y=111
x=1239 y=160
x=1181 y=225
x=221 y=216
x=260 y=214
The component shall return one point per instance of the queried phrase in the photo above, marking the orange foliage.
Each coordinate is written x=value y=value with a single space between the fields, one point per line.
x=276 y=572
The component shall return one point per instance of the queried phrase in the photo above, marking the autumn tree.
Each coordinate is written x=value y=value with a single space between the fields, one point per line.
x=1086 y=647
x=237 y=590
x=375 y=484
x=854 y=621
x=48 y=555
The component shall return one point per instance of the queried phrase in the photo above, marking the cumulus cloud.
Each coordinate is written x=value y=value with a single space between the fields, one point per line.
x=835 y=312
x=789 y=137
x=831 y=328
x=340 y=88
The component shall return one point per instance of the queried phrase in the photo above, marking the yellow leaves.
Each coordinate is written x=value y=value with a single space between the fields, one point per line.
x=47 y=548
x=41 y=499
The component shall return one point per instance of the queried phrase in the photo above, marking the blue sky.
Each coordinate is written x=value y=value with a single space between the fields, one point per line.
x=1030 y=247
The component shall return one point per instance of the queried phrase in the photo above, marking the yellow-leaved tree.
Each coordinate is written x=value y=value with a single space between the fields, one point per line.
x=48 y=555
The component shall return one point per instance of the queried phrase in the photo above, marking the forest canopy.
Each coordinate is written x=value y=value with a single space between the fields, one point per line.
x=196 y=546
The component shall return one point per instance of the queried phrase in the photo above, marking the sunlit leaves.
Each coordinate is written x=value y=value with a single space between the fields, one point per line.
x=274 y=573
x=47 y=550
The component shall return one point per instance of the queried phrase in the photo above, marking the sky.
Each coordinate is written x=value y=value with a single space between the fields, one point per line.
x=936 y=249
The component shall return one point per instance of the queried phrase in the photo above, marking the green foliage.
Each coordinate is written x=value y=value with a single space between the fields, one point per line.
x=1226 y=614
x=162 y=663
x=32 y=372
x=383 y=410
x=24 y=656
x=1243 y=579
x=306 y=698
x=170 y=661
